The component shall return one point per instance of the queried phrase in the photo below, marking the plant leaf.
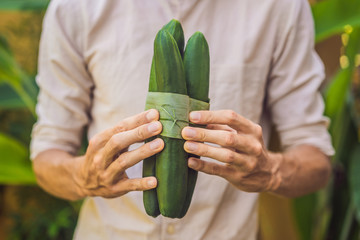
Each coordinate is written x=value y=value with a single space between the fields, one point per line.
x=12 y=74
x=23 y=4
x=336 y=93
x=304 y=209
x=15 y=166
x=331 y=16
x=354 y=175
x=9 y=99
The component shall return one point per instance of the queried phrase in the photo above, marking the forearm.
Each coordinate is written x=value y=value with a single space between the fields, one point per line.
x=55 y=173
x=301 y=170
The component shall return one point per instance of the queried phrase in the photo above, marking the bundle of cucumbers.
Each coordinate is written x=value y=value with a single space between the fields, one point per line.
x=177 y=74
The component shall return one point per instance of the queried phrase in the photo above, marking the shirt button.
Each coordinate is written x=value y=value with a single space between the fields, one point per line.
x=170 y=229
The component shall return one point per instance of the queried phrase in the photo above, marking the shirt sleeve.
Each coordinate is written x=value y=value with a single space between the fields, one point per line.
x=65 y=85
x=294 y=99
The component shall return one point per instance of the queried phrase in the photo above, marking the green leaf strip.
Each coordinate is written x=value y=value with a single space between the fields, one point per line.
x=174 y=111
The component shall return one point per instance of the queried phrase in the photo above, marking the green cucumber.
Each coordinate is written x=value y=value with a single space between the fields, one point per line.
x=171 y=167
x=170 y=73
x=197 y=67
x=175 y=29
x=150 y=196
x=197 y=70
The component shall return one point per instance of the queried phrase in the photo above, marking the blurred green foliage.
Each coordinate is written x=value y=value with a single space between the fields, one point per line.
x=333 y=213
x=42 y=216
x=332 y=15
x=23 y=4
x=31 y=213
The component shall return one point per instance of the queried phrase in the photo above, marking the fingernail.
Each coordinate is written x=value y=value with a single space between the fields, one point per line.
x=191 y=146
x=151 y=115
x=189 y=132
x=154 y=126
x=192 y=163
x=195 y=116
x=155 y=144
x=151 y=183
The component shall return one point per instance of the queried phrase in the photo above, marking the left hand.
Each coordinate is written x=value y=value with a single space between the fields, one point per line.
x=243 y=159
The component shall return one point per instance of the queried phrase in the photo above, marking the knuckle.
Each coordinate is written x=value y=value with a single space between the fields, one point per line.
x=231 y=116
x=202 y=136
x=230 y=157
x=140 y=133
x=230 y=139
x=258 y=131
x=200 y=165
x=135 y=185
x=114 y=142
x=103 y=179
x=97 y=160
x=203 y=150
x=94 y=142
x=237 y=176
x=111 y=191
x=143 y=151
x=257 y=149
x=123 y=164
x=251 y=166
x=214 y=170
x=120 y=127
x=208 y=117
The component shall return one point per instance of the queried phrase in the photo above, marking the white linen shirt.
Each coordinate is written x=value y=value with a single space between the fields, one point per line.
x=94 y=66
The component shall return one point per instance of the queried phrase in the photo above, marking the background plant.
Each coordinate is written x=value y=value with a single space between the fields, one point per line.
x=30 y=213
x=334 y=213
x=26 y=212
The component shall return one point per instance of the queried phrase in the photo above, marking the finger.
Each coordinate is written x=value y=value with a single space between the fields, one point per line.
x=136 y=184
x=220 y=127
x=210 y=167
x=124 y=186
x=122 y=140
x=221 y=154
x=137 y=120
x=100 y=139
x=225 y=117
x=129 y=159
x=241 y=142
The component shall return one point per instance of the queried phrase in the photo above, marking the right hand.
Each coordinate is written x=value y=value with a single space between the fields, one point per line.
x=101 y=171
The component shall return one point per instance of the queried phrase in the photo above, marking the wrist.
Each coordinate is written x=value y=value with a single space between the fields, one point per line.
x=76 y=175
x=276 y=178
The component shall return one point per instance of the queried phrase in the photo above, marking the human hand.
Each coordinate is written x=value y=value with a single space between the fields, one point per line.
x=101 y=171
x=243 y=158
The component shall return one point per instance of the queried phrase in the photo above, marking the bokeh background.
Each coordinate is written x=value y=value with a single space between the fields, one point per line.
x=27 y=212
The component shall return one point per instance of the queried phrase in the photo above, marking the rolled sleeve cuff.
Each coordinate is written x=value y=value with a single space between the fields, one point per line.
x=314 y=134
x=45 y=138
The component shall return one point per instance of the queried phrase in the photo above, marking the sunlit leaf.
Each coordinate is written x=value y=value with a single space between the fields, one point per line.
x=331 y=16
x=337 y=91
x=15 y=166
x=336 y=94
